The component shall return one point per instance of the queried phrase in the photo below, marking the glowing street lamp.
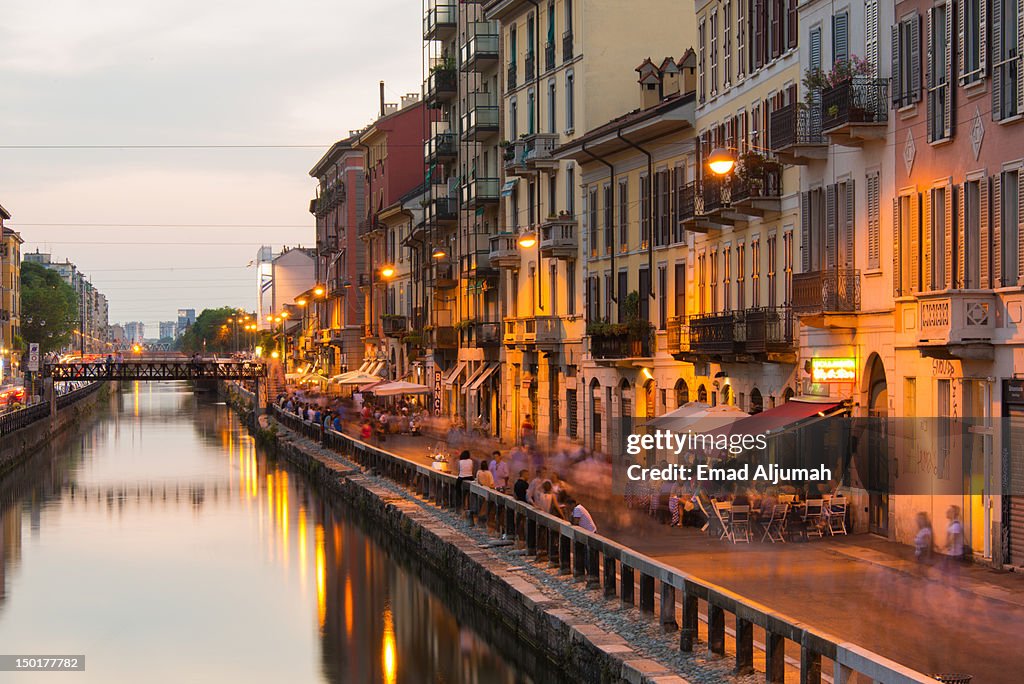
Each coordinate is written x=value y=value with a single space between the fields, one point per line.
x=387 y=271
x=319 y=291
x=528 y=240
x=439 y=253
x=721 y=161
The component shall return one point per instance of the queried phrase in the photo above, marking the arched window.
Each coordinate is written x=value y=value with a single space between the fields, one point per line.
x=702 y=394
x=756 y=401
x=788 y=394
x=726 y=394
x=649 y=400
x=682 y=392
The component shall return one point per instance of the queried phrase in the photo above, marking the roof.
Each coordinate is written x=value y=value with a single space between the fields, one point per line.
x=4 y=213
x=335 y=151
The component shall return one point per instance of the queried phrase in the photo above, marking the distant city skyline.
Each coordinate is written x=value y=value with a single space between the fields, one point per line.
x=160 y=228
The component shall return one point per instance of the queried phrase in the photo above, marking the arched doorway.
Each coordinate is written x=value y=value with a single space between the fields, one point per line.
x=726 y=393
x=702 y=394
x=876 y=391
x=682 y=392
x=649 y=394
x=788 y=394
x=595 y=415
x=756 y=401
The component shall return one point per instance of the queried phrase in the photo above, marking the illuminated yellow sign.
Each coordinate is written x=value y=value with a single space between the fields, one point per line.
x=826 y=370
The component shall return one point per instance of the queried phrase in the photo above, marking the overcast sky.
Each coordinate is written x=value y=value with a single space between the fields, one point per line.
x=139 y=72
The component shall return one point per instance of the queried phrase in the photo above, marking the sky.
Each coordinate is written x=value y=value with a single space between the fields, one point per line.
x=87 y=84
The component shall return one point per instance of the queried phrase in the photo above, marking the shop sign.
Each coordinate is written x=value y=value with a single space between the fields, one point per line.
x=833 y=369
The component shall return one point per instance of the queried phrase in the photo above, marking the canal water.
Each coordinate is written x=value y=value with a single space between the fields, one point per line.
x=164 y=546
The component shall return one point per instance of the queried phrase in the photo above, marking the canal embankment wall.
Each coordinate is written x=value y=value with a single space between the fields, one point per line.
x=21 y=444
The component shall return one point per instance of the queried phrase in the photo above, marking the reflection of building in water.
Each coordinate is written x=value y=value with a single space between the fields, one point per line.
x=10 y=545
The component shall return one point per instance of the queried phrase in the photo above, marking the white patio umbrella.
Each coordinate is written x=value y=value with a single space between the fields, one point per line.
x=355 y=378
x=390 y=389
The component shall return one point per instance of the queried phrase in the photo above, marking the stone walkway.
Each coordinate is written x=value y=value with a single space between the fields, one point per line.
x=861 y=588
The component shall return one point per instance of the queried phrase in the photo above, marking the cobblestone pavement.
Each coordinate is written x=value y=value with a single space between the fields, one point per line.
x=860 y=589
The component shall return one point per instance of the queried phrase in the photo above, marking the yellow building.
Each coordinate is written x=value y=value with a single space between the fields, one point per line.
x=10 y=297
x=563 y=76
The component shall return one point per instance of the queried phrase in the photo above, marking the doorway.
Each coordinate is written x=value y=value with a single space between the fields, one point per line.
x=877 y=477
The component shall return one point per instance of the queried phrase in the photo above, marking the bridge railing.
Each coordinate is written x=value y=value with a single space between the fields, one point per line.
x=616 y=570
x=156 y=370
x=10 y=421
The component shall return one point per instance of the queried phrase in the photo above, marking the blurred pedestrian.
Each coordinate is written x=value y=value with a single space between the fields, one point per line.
x=924 y=539
x=954 y=548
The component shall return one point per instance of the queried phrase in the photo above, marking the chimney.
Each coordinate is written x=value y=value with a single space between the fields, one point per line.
x=688 y=68
x=669 y=78
x=382 y=108
x=650 y=84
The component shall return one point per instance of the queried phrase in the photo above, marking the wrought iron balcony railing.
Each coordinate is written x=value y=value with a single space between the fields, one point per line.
x=713 y=333
x=768 y=330
x=795 y=124
x=858 y=100
x=836 y=290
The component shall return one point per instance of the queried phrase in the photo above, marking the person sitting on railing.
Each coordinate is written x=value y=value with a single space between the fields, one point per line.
x=545 y=501
x=581 y=516
x=521 y=487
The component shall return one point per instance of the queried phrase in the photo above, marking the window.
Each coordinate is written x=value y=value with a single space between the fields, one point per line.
x=514 y=207
x=741 y=282
x=909 y=397
x=662 y=196
x=531 y=41
x=570 y=104
x=513 y=119
x=906 y=61
x=726 y=44
x=593 y=298
x=871 y=32
x=741 y=36
x=552 y=114
x=938 y=244
x=624 y=215
x=592 y=221
x=702 y=278
x=609 y=295
x=678 y=231
x=727 y=278
x=787 y=266
x=874 y=220
x=972 y=248
x=609 y=219
x=1009 y=227
x=620 y=294
x=772 y=246
x=531 y=204
x=714 y=281
x=755 y=273
x=570 y=287
x=905 y=254
x=972 y=40
x=645 y=211
x=701 y=60
x=679 y=285
x=553 y=193
x=570 y=189
x=1006 y=59
x=840 y=37
x=714 y=53
x=531 y=109
x=512 y=51
x=645 y=293
x=940 y=104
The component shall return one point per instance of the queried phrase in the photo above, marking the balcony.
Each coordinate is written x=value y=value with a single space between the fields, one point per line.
x=481 y=117
x=567 y=46
x=855 y=111
x=677 y=334
x=756 y=192
x=486 y=334
x=440 y=22
x=949 y=324
x=713 y=334
x=511 y=73
x=515 y=158
x=441 y=148
x=530 y=64
x=444 y=337
x=364 y=280
x=558 y=238
x=442 y=276
x=442 y=208
x=549 y=56
x=481 y=48
x=480 y=191
x=796 y=136
x=442 y=85
x=513 y=333
x=769 y=331
x=530 y=154
x=621 y=342
x=827 y=299
x=394 y=325
x=504 y=251
x=370 y=228
x=548 y=332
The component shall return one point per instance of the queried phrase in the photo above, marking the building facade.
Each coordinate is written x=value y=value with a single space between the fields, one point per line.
x=10 y=298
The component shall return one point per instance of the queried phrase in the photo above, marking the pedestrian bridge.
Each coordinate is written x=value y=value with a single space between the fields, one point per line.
x=165 y=369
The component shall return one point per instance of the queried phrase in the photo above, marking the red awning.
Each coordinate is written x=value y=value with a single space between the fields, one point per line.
x=782 y=417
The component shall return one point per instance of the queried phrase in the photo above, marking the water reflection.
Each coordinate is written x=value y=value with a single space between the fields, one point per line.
x=164 y=524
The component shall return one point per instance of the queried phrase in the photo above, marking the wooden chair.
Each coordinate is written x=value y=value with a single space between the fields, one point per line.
x=722 y=515
x=836 y=516
x=775 y=527
x=739 y=524
x=812 y=516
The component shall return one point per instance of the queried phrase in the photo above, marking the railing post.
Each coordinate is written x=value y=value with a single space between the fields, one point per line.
x=716 y=630
x=810 y=666
x=668 y=608
x=744 y=646
x=579 y=566
x=609 y=575
x=554 y=537
x=688 y=633
x=646 y=593
x=626 y=589
x=774 y=658
x=565 y=554
x=593 y=567
x=510 y=522
x=531 y=537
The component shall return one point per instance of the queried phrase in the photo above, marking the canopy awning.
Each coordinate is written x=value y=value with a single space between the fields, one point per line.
x=453 y=377
x=698 y=417
x=509 y=186
x=473 y=376
x=375 y=368
x=366 y=365
x=389 y=389
x=481 y=378
x=785 y=416
x=355 y=378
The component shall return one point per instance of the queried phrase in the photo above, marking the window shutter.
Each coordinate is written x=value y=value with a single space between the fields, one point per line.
x=997 y=56
x=1020 y=224
x=871 y=34
x=915 y=57
x=915 y=241
x=961 y=238
x=741 y=38
x=1020 y=57
x=830 y=226
x=984 y=252
x=816 y=49
x=930 y=73
x=961 y=66
x=982 y=35
x=851 y=224
x=757 y=48
x=949 y=235
x=896 y=280
x=927 y=283
x=792 y=23
x=840 y=37
x=874 y=221
x=805 y=232
x=997 y=232
x=950 y=74
x=894 y=66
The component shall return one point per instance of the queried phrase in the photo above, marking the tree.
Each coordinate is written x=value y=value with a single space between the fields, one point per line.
x=211 y=332
x=49 y=307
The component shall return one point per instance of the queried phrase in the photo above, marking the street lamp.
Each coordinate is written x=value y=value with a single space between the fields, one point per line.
x=721 y=161
x=439 y=253
x=528 y=239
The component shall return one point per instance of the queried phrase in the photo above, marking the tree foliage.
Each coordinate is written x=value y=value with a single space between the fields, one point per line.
x=49 y=308
x=211 y=333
